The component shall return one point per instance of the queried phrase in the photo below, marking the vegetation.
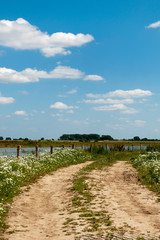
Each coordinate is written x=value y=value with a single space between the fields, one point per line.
x=15 y=173
x=148 y=166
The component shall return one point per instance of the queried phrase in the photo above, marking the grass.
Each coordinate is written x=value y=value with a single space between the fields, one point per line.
x=148 y=167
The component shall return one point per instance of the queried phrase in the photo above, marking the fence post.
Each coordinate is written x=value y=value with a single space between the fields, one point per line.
x=62 y=146
x=91 y=148
x=37 y=151
x=106 y=147
x=18 y=151
x=51 y=149
x=73 y=146
x=132 y=147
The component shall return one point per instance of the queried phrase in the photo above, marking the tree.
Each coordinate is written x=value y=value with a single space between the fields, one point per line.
x=1 y=138
x=136 y=138
x=106 y=137
x=8 y=138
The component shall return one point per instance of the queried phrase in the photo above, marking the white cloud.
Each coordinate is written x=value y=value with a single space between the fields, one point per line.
x=93 y=78
x=61 y=106
x=154 y=25
x=113 y=107
x=66 y=72
x=116 y=107
x=136 y=93
x=73 y=91
x=32 y=75
x=139 y=123
x=130 y=111
x=20 y=113
x=6 y=100
x=70 y=111
x=109 y=101
x=21 y=35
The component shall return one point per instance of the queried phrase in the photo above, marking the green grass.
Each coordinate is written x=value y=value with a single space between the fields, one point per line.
x=148 y=167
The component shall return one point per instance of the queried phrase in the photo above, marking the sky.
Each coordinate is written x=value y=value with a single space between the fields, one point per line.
x=80 y=67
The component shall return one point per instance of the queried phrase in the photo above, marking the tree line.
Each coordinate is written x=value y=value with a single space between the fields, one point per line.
x=84 y=137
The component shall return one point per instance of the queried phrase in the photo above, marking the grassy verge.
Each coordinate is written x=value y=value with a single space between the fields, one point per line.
x=15 y=173
x=148 y=166
x=83 y=198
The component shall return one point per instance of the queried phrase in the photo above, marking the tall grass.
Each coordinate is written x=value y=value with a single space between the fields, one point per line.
x=148 y=166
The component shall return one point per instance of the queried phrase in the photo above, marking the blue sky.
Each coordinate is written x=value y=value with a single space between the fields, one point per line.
x=80 y=67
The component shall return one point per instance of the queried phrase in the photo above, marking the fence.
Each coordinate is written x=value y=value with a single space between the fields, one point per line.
x=90 y=147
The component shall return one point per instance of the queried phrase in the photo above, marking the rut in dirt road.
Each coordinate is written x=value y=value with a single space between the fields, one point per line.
x=39 y=214
x=133 y=208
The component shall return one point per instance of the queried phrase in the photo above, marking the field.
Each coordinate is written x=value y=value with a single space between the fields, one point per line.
x=84 y=189
x=59 y=143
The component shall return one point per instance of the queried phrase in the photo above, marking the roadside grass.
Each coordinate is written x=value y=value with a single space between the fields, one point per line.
x=148 y=167
x=83 y=198
x=15 y=173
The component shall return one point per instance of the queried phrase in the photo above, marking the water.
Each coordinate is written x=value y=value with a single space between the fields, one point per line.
x=24 y=151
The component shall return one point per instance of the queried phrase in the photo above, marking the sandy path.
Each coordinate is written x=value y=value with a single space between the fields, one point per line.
x=39 y=214
x=133 y=208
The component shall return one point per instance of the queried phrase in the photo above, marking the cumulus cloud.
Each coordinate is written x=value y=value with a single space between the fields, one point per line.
x=61 y=106
x=154 y=25
x=116 y=107
x=20 y=113
x=33 y=75
x=6 y=100
x=22 y=35
x=136 y=93
x=93 y=78
x=113 y=107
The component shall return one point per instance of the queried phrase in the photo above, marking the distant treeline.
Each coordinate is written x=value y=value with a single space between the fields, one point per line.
x=85 y=137
x=97 y=137
x=82 y=137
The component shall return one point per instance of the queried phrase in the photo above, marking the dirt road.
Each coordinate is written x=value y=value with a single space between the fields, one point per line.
x=133 y=208
x=39 y=213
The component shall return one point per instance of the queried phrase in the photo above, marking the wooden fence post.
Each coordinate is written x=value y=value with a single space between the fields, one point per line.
x=37 y=151
x=91 y=147
x=18 y=151
x=106 y=147
x=51 y=149
x=73 y=146
x=132 y=147
x=62 y=146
